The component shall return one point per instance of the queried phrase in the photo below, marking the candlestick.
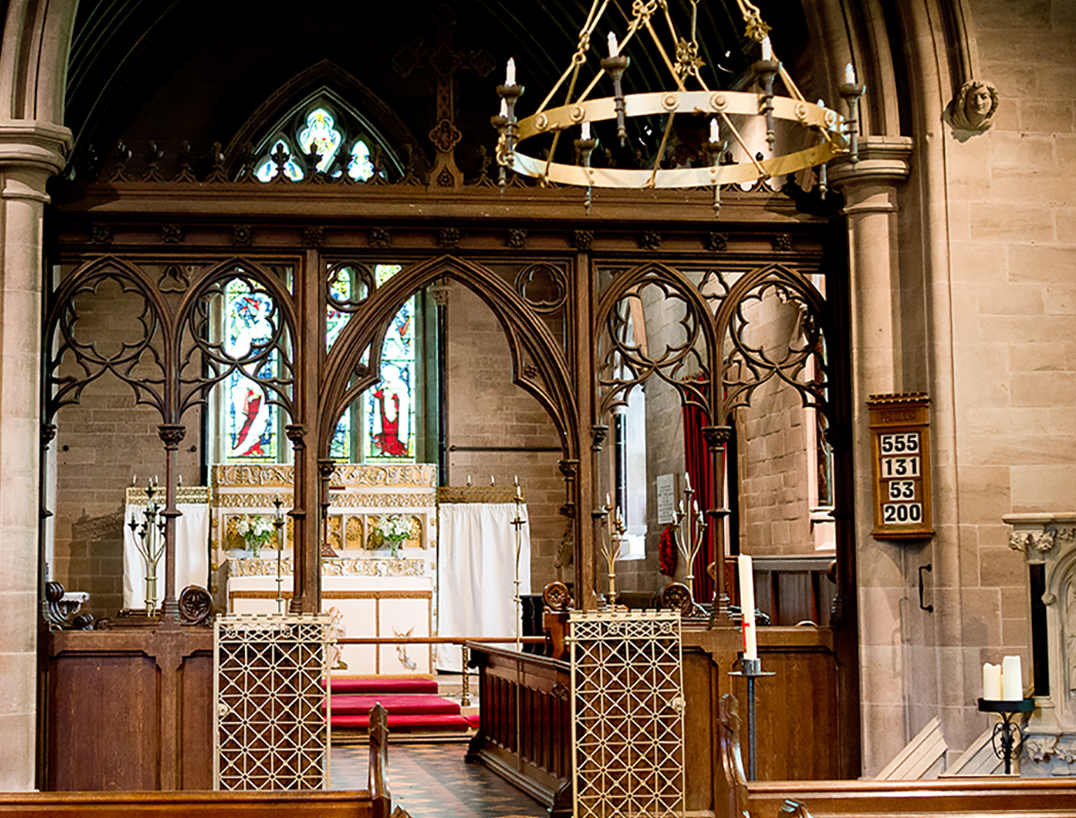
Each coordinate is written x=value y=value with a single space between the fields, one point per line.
x=614 y=47
x=585 y=131
x=687 y=476
x=510 y=72
x=504 y=108
x=767 y=49
x=747 y=606
x=715 y=132
x=849 y=74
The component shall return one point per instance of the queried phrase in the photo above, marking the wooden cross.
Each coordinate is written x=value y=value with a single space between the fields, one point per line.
x=444 y=62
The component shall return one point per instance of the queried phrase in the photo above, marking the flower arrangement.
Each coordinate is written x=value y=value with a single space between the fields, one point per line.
x=394 y=529
x=255 y=530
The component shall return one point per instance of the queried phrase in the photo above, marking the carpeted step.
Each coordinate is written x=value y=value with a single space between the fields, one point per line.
x=396 y=705
x=382 y=685
x=403 y=722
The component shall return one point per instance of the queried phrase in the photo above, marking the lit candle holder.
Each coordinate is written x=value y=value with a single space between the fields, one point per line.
x=747 y=606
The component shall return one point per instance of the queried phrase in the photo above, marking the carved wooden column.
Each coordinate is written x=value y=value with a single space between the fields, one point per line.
x=717 y=438
x=171 y=435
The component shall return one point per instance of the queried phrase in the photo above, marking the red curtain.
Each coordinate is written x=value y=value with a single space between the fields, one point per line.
x=699 y=466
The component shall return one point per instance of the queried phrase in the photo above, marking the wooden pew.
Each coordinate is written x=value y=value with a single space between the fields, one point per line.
x=958 y=797
x=373 y=802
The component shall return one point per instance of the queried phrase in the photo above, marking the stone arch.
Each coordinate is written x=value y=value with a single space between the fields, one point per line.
x=550 y=383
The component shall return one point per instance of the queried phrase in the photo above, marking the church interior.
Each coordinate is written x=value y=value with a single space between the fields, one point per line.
x=686 y=386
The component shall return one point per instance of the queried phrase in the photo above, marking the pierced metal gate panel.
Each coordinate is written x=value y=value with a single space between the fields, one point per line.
x=628 y=714
x=271 y=714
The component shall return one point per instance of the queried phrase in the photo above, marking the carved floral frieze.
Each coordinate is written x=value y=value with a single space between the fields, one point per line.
x=331 y=568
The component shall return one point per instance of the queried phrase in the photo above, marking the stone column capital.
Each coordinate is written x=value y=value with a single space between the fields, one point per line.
x=33 y=145
x=1037 y=534
x=869 y=184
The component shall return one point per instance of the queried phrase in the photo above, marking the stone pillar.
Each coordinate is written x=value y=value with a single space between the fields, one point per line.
x=870 y=190
x=29 y=154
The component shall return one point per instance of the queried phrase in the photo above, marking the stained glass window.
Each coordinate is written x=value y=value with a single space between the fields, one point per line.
x=320 y=135
x=389 y=407
x=268 y=169
x=360 y=168
x=251 y=420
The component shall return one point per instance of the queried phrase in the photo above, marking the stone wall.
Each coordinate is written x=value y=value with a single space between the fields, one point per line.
x=497 y=429
x=1012 y=227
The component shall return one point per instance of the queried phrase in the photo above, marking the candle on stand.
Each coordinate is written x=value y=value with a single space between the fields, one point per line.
x=991 y=682
x=510 y=72
x=849 y=74
x=585 y=128
x=504 y=108
x=767 y=48
x=715 y=133
x=747 y=606
x=1012 y=680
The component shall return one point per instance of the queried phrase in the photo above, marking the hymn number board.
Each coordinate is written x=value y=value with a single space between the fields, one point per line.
x=900 y=451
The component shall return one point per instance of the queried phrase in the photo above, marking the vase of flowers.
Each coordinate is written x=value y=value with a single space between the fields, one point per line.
x=256 y=531
x=394 y=529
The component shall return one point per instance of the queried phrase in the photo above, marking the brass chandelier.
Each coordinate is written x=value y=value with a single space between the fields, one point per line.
x=828 y=134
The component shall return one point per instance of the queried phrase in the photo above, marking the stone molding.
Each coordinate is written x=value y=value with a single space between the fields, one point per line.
x=1035 y=534
x=35 y=144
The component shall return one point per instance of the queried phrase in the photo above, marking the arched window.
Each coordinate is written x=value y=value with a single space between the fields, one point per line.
x=333 y=137
x=383 y=425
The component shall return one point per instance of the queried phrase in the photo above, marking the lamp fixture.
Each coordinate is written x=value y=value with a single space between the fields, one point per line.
x=828 y=133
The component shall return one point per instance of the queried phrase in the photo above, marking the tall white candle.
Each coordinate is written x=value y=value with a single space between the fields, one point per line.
x=585 y=128
x=510 y=72
x=1012 y=680
x=849 y=74
x=747 y=606
x=614 y=47
x=991 y=682
x=715 y=133
x=767 y=49
x=504 y=108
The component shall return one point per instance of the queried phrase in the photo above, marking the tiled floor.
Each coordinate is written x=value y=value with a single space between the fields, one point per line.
x=433 y=781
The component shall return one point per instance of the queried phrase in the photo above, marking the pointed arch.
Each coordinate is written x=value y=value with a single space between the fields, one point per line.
x=530 y=342
x=335 y=88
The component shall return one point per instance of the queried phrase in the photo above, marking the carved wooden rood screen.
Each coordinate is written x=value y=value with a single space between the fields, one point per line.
x=141 y=310
x=578 y=363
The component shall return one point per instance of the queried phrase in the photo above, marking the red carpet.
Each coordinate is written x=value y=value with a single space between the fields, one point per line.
x=412 y=704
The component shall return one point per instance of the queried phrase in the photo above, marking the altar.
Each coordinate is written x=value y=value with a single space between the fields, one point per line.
x=379 y=556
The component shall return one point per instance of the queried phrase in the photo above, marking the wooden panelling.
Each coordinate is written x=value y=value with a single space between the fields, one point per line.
x=130 y=709
x=525 y=720
x=799 y=711
x=337 y=804
x=890 y=799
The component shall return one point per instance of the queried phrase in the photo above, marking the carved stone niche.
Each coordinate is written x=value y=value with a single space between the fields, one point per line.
x=1050 y=735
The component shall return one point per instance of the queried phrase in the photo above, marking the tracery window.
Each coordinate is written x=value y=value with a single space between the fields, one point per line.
x=340 y=147
x=381 y=426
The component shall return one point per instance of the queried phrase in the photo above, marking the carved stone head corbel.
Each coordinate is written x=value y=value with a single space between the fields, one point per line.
x=974 y=106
